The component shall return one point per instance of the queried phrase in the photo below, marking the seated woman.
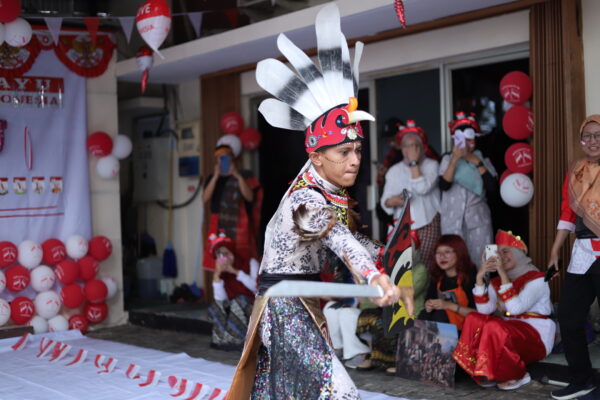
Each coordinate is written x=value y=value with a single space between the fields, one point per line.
x=234 y=286
x=495 y=350
x=449 y=298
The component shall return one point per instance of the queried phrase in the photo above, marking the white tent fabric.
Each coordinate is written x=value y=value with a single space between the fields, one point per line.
x=24 y=376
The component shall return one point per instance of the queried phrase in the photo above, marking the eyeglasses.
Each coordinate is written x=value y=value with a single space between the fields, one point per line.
x=444 y=254
x=408 y=146
x=589 y=136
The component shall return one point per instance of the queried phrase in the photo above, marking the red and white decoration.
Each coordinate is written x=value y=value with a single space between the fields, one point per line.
x=153 y=22
x=516 y=87
x=518 y=122
x=30 y=254
x=516 y=190
x=232 y=123
x=42 y=278
x=519 y=158
x=144 y=60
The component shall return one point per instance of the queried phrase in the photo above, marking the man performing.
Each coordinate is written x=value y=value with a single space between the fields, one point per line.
x=288 y=352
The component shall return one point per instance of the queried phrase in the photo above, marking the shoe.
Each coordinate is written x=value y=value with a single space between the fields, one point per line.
x=486 y=383
x=572 y=391
x=391 y=371
x=366 y=365
x=356 y=360
x=515 y=383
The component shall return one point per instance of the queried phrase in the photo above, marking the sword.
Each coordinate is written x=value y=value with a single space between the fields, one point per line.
x=322 y=289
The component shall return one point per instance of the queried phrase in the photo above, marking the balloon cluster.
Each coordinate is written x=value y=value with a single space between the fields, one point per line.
x=516 y=188
x=62 y=293
x=232 y=123
x=109 y=151
x=14 y=31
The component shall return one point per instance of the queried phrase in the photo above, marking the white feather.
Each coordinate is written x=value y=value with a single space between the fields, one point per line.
x=329 y=34
x=280 y=115
x=273 y=76
x=309 y=72
x=358 y=50
x=347 y=82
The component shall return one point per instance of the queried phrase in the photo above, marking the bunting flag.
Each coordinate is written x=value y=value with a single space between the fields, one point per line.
x=22 y=342
x=132 y=371
x=218 y=394
x=109 y=365
x=79 y=358
x=196 y=21
x=98 y=360
x=60 y=350
x=127 y=26
x=152 y=379
x=45 y=347
x=54 y=24
x=199 y=392
x=92 y=24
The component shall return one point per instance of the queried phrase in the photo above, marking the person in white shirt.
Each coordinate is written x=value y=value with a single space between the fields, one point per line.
x=417 y=174
x=234 y=286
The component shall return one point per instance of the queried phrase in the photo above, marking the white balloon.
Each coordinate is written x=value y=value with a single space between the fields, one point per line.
x=39 y=324
x=58 y=323
x=111 y=285
x=233 y=141
x=2 y=32
x=42 y=278
x=516 y=190
x=47 y=304
x=17 y=33
x=77 y=247
x=107 y=167
x=30 y=254
x=122 y=146
x=3 y=281
x=4 y=311
x=154 y=30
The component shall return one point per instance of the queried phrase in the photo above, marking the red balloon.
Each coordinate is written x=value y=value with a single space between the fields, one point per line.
x=71 y=295
x=100 y=248
x=67 y=271
x=516 y=87
x=100 y=144
x=232 y=123
x=54 y=251
x=8 y=254
x=78 y=321
x=9 y=10
x=506 y=173
x=21 y=310
x=95 y=291
x=250 y=138
x=518 y=122
x=88 y=268
x=519 y=158
x=95 y=312
x=17 y=278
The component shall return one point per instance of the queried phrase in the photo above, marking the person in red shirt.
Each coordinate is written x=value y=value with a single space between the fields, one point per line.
x=580 y=213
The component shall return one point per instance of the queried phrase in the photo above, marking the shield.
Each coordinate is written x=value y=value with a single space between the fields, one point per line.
x=398 y=262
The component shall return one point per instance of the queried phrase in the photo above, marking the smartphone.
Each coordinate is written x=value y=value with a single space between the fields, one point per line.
x=491 y=250
x=460 y=142
x=224 y=163
x=550 y=272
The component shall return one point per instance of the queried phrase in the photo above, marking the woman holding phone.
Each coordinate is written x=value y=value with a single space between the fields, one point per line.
x=495 y=350
x=465 y=178
x=235 y=201
x=580 y=213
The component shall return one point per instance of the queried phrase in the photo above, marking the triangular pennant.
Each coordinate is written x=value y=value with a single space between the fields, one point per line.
x=54 y=24
x=196 y=21
x=127 y=26
x=232 y=17
x=92 y=24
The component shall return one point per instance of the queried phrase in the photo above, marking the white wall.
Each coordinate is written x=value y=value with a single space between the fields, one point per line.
x=591 y=54
x=105 y=194
x=444 y=43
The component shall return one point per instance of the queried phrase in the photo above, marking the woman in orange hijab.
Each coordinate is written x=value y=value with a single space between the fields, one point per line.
x=580 y=213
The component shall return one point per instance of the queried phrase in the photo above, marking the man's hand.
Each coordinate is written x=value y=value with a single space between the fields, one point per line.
x=393 y=293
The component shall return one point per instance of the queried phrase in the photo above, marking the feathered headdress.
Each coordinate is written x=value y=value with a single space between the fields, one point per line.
x=508 y=239
x=319 y=100
x=216 y=241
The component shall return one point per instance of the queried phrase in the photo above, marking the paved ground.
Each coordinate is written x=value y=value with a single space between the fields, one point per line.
x=197 y=345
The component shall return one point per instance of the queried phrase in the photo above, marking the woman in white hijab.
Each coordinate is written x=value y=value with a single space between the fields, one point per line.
x=495 y=350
